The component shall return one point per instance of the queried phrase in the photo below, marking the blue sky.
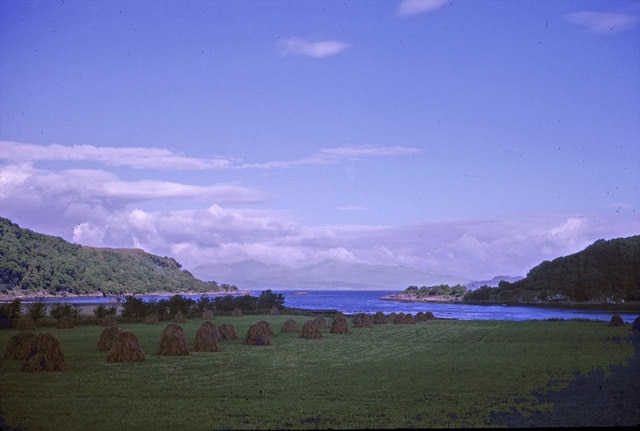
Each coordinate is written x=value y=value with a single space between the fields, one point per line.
x=473 y=138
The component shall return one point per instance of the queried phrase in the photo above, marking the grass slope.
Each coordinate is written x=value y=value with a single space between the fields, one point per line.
x=436 y=374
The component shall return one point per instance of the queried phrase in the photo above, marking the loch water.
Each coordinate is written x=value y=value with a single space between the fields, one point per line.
x=351 y=302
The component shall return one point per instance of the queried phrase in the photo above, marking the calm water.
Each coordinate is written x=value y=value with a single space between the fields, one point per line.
x=351 y=302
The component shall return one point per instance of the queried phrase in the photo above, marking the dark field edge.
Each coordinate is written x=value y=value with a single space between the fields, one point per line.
x=591 y=400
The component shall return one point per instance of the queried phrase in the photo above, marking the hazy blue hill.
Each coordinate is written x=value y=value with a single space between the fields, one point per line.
x=33 y=263
x=604 y=272
x=329 y=274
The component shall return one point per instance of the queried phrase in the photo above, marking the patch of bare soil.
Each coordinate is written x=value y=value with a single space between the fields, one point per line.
x=591 y=400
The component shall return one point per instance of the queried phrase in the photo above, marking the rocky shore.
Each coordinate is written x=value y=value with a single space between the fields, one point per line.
x=406 y=297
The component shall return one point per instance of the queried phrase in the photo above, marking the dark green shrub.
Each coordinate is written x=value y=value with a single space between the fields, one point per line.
x=58 y=311
x=36 y=310
x=101 y=311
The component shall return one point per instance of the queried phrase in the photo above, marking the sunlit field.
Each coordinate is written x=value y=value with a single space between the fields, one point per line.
x=442 y=373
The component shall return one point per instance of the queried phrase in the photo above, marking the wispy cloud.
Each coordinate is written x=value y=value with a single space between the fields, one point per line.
x=320 y=49
x=161 y=159
x=603 y=22
x=134 y=157
x=24 y=188
x=336 y=155
x=408 y=8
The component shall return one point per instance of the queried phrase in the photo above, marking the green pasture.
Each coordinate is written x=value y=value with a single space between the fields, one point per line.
x=442 y=373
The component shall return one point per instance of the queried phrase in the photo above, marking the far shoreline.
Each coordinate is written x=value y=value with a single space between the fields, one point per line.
x=628 y=307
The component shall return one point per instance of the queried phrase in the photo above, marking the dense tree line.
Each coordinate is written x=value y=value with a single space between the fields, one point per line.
x=135 y=307
x=35 y=263
x=604 y=272
x=439 y=290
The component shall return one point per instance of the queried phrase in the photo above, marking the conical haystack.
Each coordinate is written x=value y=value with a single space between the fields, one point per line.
x=45 y=354
x=107 y=337
x=207 y=315
x=361 y=320
x=110 y=320
x=404 y=319
x=173 y=342
x=616 y=320
x=206 y=339
x=258 y=335
x=179 y=318
x=379 y=318
x=310 y=329
x=274 y=311
x=18 y=345
x=339 y=325
x=65 y=322
x=321 y=321
x=152 y=319
x=236 y=312
x=290 y=326
x=227 y=332
x=125 y=348
x=267 y=326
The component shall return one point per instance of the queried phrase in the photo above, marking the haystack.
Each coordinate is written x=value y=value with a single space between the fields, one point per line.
x=267 y=326
x=65 y=322
x=616 y=320
x=321 y=321
x=227 y=332
x=107 y=338
x=339 y=325
x=636 y=324
x=236 y=312
x=179 y=318
x=18 y=345
x=207 y=315
x=125 y=348
x=274 y=311
x=25 y=323
x=257 y=335
x=206 y=339
x=173 y=342
x=110 y=320
x=45 y=354
x=379 y=318
x=152 y=319
x=290 y=326
x=361 y=320
x=311 y=329
x=404 y=319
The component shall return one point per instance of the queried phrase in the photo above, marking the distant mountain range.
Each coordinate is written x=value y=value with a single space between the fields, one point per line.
x=493 y=282
x=327 y=275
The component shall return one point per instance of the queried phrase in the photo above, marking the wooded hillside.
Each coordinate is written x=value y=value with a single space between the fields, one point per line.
x=604 y=272
x=33 y=263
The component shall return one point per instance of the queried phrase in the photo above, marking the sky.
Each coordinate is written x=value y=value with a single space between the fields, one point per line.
x=472 y=138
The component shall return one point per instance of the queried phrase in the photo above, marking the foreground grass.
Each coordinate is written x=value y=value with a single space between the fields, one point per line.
x=443 y=373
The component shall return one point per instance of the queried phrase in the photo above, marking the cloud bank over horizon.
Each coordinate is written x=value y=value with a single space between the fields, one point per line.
x=98 y=208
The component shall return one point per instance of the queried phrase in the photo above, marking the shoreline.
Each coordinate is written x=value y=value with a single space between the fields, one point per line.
x=630 y=307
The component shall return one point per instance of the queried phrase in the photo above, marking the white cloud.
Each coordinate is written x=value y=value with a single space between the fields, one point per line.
x=408 y=8
x=320 y=49
x=337 y=155
x=603 y=22
x=134 y=157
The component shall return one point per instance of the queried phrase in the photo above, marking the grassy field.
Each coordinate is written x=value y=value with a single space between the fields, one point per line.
x=442 y=373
